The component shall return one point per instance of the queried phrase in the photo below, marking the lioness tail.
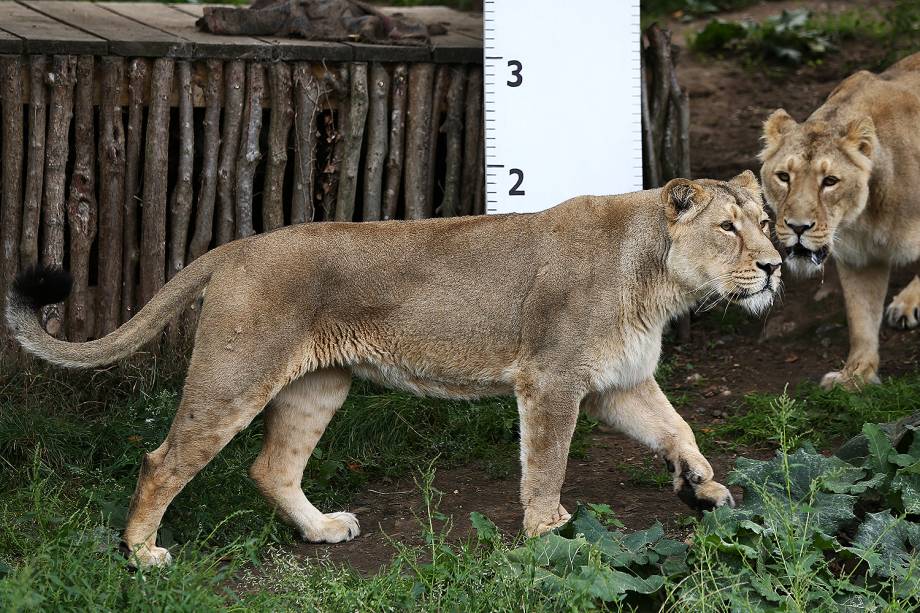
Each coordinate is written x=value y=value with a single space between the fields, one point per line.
x=37 y=287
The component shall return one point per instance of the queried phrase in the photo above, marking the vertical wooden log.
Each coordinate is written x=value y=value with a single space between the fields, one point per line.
x=249 y=154
x=61 y=81
x=336 y=126
x=138 y=73
x=156 y=158
x=306 y=99
x=111 y=196
x=453 y=126
x=354 y=137
x=376 y=142
x=418 y=141
x=282 y=114
x=180 y=206
x=397 y=141
x=438 y=103
x=234 y=80
x=207 y=188
x=31 y=209
x=11 y=76
x=81 y=201
x=471 y=145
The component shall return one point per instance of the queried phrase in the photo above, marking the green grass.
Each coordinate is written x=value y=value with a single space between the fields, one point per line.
x=821 y=417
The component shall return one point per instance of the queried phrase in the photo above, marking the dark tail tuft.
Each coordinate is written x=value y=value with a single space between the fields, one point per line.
x=41 y=285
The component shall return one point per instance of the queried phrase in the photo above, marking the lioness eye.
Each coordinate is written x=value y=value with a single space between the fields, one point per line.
x=764 y=224
x=727 y=226
x=783 y=176
x=828 y=181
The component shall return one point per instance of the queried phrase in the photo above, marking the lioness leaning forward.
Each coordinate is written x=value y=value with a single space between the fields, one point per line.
x=845 y=182
x=563 y=308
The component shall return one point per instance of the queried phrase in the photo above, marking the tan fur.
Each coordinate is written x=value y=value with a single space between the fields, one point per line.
x=563 y=308
x=866 y=135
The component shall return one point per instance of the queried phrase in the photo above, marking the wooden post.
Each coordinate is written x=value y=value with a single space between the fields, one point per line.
x=471 y=140
x=207 y=188
x=31 y=209
x=453 y=126
x=282 y=114
x=354 y=137
x=81 y=203
x=306 y=99
x=438 y=102
x=156 y=158
x=234 y=80
x=376 y=142
x=249 y=154
x=418 y=141
x=11 y=78
x=181 y=201
x=479 y=182
x=397 y=141
x=137 y=86
x=61 y=81
x=111 y=195
x=335 y=82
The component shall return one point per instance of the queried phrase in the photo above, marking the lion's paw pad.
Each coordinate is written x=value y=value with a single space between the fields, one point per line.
x=335 y=528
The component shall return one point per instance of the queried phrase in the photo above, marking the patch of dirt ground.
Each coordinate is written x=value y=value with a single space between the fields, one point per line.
x=803 y=337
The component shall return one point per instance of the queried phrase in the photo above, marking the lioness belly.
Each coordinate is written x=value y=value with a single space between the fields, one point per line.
x=421 y=383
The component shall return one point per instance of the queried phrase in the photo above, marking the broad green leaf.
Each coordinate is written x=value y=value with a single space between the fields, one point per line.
x=611 y=585
x=908 y=485
x=880 y=449
x=892 y=538
x=485 y=530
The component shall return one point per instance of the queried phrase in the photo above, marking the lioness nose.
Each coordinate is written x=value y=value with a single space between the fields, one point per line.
x=799 y=229
x=768 y=267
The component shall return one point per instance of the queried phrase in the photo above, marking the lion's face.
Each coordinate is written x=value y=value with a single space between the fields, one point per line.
x=816 y=178
x=720 y=245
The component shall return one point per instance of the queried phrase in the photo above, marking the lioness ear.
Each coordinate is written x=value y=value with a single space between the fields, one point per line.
x=860 y=133
x=775 y=127
x=680 y=196
x=747 y=181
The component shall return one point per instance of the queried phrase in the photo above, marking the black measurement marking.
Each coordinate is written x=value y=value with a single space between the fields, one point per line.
x=495 y=165
x=514 y=191
x=516 y=68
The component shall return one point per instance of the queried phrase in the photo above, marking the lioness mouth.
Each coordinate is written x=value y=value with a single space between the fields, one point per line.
x=817 y=257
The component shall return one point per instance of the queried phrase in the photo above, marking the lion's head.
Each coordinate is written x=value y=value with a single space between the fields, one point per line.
x=720 y=245
x=815 y=178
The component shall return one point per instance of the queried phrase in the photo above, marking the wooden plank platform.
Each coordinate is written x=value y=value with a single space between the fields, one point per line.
x=152 y=29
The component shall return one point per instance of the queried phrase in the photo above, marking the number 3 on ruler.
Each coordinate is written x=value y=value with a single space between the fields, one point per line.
x=516 y=68
x=516 y=172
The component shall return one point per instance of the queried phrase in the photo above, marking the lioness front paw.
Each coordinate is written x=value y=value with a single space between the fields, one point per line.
x=705 y=496
x=904 y=310
x=536 y=524
x=335 y=528
x=144 y=556
x=852 y=382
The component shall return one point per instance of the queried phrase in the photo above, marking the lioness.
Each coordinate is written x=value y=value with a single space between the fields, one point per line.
x=846 y=182
x=563 y=308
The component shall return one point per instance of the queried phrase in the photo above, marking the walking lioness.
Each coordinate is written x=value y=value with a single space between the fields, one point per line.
x=563 y=308
x=845 y=183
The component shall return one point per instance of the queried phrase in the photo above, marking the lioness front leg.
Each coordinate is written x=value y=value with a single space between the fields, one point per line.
x=645 y=414
x=548 y=420
x=904 y=310
x=864 y=294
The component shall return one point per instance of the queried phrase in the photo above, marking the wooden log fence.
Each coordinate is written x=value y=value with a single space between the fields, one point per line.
x=124 y=159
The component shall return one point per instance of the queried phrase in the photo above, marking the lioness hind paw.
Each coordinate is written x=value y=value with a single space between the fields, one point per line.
x=544 y=525
x=147 y=557
x=335 y=528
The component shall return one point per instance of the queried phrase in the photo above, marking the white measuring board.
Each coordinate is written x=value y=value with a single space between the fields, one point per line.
x=562 y=101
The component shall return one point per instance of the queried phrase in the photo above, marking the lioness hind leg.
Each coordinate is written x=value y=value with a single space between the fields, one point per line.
x=294 y=422
x=904 y=310
x=205 y=422
x=645 y=414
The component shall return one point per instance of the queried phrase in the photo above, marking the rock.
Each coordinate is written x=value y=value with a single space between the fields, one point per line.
x=777 y=327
